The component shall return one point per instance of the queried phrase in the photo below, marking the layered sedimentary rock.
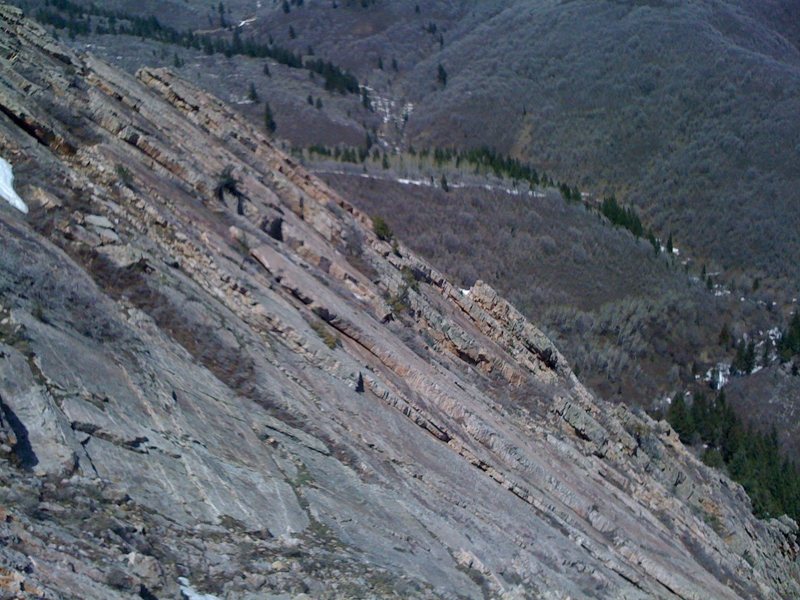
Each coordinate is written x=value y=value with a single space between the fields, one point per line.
x=215 y=379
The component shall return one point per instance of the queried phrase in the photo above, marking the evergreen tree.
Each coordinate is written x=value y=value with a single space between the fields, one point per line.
x=618 y=215
x=751 y=458
x=269 y=121
x=252 y=94
x=382 y=229
x=441 y=76
x=724 y=336
x=221 y=11
x=681 y=419
x=651 y=237
x=750 y=357
x=745 y=360
x=237 y=47
x=701 y=415
x=713 y=458
x=789 y=344
x=739 y=360
x=670 y=247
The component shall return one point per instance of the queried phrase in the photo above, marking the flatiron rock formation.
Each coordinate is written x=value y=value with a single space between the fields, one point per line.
x=216 y=381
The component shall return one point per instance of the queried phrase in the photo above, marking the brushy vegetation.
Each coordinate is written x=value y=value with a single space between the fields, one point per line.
x=410 y=279
x=398 y=301
x=382 y=229
x=226 y=183
x=324 y=332
x=749 y=457
x=123 y=175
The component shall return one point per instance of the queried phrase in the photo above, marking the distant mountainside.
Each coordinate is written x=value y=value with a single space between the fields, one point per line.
x=220 y=379
x=686 y=109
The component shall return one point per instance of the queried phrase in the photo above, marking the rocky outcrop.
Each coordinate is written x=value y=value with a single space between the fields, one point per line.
x=240 y=391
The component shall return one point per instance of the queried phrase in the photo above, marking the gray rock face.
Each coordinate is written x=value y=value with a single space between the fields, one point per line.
x=198 y=403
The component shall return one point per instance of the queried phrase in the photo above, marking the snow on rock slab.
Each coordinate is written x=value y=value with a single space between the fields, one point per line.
x=189 y=593
x=7 y=187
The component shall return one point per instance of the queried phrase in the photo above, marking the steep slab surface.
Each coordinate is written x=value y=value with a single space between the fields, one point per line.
x=215 y=377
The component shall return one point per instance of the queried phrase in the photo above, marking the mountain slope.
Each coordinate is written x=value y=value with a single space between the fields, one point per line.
x=685 y=109
x=215 y=377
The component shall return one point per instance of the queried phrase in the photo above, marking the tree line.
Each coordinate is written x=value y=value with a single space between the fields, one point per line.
x=622 y=216
x=502 y=166
x=506 y=167
x=78 y=21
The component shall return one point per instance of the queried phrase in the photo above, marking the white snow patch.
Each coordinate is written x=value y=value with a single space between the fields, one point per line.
x=7 y=187
x=247 y=21
x=388 y=108
x=465 y=292
x=718 y=376
x=413 y=182
x=432 y=182
x=189 y=593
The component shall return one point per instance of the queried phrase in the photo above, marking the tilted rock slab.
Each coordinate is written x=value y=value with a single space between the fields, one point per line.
x=251 y=395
